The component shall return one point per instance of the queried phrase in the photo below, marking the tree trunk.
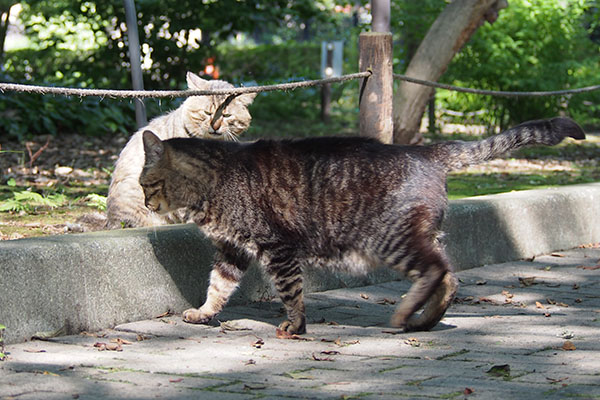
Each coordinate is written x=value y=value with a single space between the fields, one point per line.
x=450 y=31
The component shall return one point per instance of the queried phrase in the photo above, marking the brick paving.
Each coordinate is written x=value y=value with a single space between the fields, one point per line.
x=519 y=330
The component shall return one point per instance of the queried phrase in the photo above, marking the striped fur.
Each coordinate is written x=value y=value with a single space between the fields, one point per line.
x=348 y=203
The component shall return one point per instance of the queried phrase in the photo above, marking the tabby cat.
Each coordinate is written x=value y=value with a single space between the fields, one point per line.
x=349 y=203
x=198 y=116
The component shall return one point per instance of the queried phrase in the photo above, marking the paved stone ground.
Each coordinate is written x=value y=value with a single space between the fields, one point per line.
x=526 y=330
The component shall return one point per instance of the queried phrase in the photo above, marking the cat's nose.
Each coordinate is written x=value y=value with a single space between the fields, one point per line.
x=216 y=124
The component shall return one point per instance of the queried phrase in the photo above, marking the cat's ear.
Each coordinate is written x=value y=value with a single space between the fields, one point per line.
x=195 y=82
x=246 y=99
x=153 y=147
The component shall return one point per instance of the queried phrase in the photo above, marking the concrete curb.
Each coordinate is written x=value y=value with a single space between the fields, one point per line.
x=97 y=280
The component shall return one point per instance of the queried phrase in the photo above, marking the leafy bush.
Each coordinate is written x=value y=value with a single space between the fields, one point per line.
x=23 y=115
x=537 y=45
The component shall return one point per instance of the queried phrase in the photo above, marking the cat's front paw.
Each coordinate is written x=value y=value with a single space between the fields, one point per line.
x=197 y=316
x=298 y=327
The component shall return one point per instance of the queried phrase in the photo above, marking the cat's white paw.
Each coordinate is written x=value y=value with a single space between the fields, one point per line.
x=197 y=316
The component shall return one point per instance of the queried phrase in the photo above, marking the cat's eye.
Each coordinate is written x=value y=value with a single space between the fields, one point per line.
x=226 y=115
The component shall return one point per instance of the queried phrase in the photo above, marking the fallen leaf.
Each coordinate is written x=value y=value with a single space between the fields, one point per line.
x=254 y=387
x=168 y=321
x=481 y=282
x=552 y=285
x=232 y=326
x=330 y=352
x=176 y=380
x=314 y=357
x=566 y=334
x=259 y=343
x=562 y=305
x=141 y=338
x=578 y=300
x=500 y=370
x=34 y=350
x=167 y=313
x=385 y=301
x=590 y=268
x=539 y=305
x=547 y=315
x=575 y=286
x=568 y=346
x=338 y=342
x=487 y=300
x=281 y=334
x=93 y=334
x=50 y=334
x=414 y=342
x=250 y=362
x=557 y=255
x=550 y=301
x=49 y=373
x=364 y=296
x=528 y=281
x=298 y=375
x=120 y=341
x=101 y=346
x=556 y=380
x=468 y=391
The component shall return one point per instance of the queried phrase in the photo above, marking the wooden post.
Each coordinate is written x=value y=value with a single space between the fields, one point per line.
x=376 y=92
x=135 y=60
x=380 y=11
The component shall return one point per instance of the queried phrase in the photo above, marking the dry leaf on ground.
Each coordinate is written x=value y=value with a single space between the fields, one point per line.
x=568 y=346
x=527 y=281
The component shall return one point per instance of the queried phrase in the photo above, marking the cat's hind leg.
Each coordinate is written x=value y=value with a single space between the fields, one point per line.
x=436 y=306
x=426 y=264
x=225 y=276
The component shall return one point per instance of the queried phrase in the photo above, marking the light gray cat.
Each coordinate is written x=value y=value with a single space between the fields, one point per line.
x=198 y=116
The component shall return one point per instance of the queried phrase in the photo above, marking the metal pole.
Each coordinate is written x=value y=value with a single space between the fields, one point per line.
x=135 y=61
x=380 y=12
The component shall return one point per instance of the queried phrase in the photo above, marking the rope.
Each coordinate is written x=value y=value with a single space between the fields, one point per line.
x=128 y=94
x=493 y=92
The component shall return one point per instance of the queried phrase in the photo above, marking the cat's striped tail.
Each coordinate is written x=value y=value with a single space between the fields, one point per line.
x=458 y=154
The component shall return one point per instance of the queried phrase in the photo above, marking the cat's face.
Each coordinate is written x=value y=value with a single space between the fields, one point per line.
x=156 y=178
x=204 y=116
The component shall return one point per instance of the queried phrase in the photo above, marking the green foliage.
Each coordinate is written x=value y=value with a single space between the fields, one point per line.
x=96 y=201
x=23 y=115
x=28 y=201
x=535 y=45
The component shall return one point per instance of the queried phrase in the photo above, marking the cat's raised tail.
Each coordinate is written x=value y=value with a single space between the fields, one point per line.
x=458 y=154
